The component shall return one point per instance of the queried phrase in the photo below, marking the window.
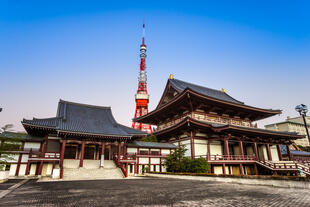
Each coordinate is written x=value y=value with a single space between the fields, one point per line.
x=143 y=152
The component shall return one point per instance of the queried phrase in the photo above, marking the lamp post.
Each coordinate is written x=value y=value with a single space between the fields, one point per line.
x=302 y=109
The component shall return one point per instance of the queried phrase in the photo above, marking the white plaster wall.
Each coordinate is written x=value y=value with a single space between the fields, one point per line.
x=49 y=169
x=71 y=163
x=165 y=151
x=218 y=170
x=143 y=160
x=274 y=153
x=32 y=145
x=155 y=160
x=201 y=147
x=187 y=145
x=132 y=150
x=25 y=157
x=12 y=169
x=33 y=168
x=263 y=152
x=216 y=148
x=22 y=170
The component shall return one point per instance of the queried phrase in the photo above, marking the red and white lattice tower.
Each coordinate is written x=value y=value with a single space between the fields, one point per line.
x=142 y=97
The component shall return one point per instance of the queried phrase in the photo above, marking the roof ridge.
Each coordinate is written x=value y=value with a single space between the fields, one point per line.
x=212 y=89
x=87 y=105
x=197 y=85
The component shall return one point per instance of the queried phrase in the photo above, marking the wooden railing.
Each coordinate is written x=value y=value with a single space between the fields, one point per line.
x=120 y=165
x=44 y=155
x=228 y=157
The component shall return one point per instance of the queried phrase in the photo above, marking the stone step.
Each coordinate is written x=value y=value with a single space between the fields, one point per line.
x=89 y=174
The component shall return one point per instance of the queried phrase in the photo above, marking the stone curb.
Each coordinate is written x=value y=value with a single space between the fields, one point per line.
x=10 y=189
x=245 y=181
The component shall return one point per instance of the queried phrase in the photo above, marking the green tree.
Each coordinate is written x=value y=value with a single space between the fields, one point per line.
x=149 y=138
x=177 y=162
x=9 y=141
x=173 y=162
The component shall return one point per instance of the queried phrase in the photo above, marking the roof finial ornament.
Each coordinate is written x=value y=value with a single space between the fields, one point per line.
x=223 y=90
x=171 y=76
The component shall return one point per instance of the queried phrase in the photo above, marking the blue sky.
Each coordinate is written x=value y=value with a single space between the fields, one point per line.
x=88 y=51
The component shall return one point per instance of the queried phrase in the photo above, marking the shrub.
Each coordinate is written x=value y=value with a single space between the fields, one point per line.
x=177 y=162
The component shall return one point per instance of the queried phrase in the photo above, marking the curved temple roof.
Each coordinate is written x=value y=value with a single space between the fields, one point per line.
x=182 y=85
x=86 y=119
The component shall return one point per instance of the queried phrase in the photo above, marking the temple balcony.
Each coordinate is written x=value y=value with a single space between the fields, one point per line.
x=36 y=155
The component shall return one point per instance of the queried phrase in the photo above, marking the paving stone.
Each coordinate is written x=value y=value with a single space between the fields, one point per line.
x=152 y=192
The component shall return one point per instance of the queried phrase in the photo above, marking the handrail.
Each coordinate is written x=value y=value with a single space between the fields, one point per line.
x=228 y=157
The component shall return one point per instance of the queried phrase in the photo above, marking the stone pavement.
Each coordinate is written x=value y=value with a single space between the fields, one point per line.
x=152 y=192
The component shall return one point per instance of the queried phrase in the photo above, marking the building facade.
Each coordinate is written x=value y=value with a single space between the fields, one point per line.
x=214 y=125
x=82 y=141
x=293 y=125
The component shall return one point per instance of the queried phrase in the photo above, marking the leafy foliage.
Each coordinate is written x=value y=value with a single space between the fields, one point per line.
x=149 y=138
x=7 y=145
x=177 y=162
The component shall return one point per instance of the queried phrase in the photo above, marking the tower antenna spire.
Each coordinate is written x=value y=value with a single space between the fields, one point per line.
x=142 y=97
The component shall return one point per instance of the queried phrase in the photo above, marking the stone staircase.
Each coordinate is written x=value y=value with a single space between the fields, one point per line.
x=285 y=166
x=91 y=170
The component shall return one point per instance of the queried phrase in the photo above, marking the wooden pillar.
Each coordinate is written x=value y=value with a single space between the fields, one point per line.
x=119 y=152
x=40 y=168
x=19 y=160
x=226 y=147
x=279 y=152
x=241 y=169
x=124 y=149
x=62 y=155
x=241 y=149
x=126 y=175
x=268 y=152
x=192 y=146
x=256 y=151
x=255 y=169
x=82 y=153
x=160 y=168
x=149 y=159
x=209 y=150
x=288 y=152
x=45 y=144
x=27 y=168
x=96 y=152
x=224 y=169
x=102 y=155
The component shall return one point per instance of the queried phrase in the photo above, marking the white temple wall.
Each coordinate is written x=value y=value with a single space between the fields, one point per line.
x=33 y=168
x=155 y=161
x=216 y=148
x=32 y=145
x=219 y=169
x=12 y=169
x=262 y=151
x=22 y=170
x=165 y=151
x=25 y=158
x=132 y=150
x=143 y=160
x=200 y=147
x=274 y=153
x=71 y=163
x=187 y=145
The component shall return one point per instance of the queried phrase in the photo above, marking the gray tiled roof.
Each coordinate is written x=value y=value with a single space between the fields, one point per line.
x=18 y=136
x=152 y=144
x=181 y=86
x=82 y=118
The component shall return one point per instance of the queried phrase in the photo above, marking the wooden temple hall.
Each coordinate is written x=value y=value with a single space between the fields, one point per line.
x=213 y=125
x=85 y=141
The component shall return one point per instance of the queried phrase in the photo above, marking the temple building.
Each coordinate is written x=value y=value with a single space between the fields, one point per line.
x=212 y=124
x=83 y=142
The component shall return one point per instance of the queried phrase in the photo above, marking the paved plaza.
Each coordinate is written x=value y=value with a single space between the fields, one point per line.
x=151 y=192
